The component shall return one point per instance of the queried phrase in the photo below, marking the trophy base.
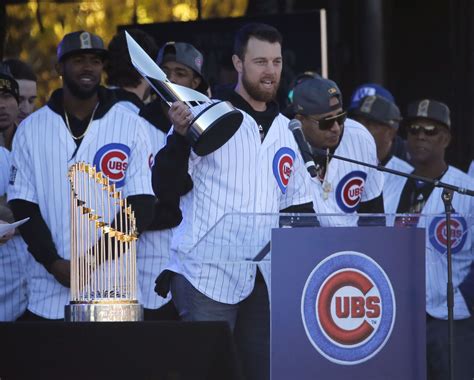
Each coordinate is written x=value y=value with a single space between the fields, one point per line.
x=213 y=127
x=104 y=312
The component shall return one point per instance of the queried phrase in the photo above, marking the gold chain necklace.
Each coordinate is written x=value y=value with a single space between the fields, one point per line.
x=88 y=125
x=327 y=187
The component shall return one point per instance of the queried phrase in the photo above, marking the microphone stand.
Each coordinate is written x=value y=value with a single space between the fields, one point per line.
x=447 y=197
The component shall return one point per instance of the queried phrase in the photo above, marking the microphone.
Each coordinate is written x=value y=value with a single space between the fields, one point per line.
x=303 y=146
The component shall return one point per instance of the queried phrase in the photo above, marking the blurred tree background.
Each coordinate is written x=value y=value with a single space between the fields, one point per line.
x=34 y=28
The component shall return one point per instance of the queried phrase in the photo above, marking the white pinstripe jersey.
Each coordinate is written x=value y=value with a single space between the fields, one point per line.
x=349 y=183
x=153 y=247
x=462 y=238
x=42 y=153
x=245 y=175
x=471 y=170
x=4 y=169
x=13 y=297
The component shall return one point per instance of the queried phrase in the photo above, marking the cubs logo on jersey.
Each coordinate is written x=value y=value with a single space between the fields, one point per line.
x=112 y=160
x=282 y=167
x=151 y=160
x=348 y=308
x=439 y=235
x=349 y=191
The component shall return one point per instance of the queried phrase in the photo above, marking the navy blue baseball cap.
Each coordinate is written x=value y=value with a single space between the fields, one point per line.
x=429 y=109
x=312 y=96
x=369 y=89
x=187 y=55
x=81 y=42
x=378 y=109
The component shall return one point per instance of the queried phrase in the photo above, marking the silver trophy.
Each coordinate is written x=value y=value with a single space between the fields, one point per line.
x=214 y=123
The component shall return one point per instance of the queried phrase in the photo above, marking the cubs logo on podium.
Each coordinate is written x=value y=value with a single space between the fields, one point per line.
x=112 y=160
x=349 y=191
x=348 y=308
x=282 y=167
x=439 y=235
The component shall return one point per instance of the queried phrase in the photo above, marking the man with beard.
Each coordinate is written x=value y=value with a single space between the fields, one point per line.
x=340 y=187
x=259 y=170
x=428 y=127
x=81 y=122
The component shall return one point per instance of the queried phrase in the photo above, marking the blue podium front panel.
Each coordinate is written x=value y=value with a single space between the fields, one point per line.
x=348 y=303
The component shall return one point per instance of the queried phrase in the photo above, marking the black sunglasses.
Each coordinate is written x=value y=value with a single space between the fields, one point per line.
x=327 y=123
x=428 y=130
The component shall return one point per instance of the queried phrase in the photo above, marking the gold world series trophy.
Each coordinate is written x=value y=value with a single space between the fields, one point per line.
x=103 y=250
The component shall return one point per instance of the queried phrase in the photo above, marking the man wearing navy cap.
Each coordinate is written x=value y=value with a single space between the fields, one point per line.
x=82 y=121
x=382 y=117
x=340 y=187
x=428 y=128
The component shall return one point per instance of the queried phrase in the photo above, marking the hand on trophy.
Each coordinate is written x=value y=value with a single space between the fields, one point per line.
x=61 y=270
x=180 y=116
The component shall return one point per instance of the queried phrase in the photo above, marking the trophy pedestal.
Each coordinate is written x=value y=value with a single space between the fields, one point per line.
x=213 y=127
x=104 y=312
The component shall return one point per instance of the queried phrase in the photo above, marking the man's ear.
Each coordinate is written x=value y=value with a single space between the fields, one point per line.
x=237 y=63
x=447 y=139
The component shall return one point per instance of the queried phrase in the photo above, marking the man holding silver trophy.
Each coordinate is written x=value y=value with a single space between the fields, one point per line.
x=255 y=167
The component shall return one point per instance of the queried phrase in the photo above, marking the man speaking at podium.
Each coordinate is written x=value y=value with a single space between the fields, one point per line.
x=340 y=187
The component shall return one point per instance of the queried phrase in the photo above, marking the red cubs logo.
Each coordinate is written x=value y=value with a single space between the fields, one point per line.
x=349 y=191
x=282 y=167
x=349 y=307
x=439 y=233
x=112 y=160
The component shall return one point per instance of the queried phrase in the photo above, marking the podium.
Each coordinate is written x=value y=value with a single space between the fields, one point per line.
x=346 y=302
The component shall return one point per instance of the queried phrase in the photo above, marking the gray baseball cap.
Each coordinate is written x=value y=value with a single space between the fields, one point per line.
x=378 y=109
x=186 y=54
x=429 y=109
x=312 y=96
x=81 y=42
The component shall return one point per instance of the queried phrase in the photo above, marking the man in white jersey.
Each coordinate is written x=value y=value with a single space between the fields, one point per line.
x=428 y=128
x=381 y=117
x=13 y=250
x=259 y=170
x=81 y=122
x=471 y=170
x=340 y=187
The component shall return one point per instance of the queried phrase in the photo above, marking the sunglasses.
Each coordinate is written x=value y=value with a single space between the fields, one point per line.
x=428 y=130
x=327 y=123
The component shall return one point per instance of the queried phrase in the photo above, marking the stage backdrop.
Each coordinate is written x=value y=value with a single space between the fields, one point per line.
x=214 y=38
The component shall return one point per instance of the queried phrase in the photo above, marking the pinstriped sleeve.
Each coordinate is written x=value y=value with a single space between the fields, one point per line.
x=4 y=170
x=138 y=172
x=21 y=184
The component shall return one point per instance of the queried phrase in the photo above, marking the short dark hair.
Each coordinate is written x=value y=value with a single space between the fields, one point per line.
x=260 y=31
x=119 y=68
x=20 y=70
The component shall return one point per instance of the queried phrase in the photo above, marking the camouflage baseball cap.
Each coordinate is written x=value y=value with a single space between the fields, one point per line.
x=7 y=83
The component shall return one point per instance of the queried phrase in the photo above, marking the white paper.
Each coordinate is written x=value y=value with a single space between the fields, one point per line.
x=6 y=228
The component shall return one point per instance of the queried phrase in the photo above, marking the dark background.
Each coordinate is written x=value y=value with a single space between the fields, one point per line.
x=417 y=49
